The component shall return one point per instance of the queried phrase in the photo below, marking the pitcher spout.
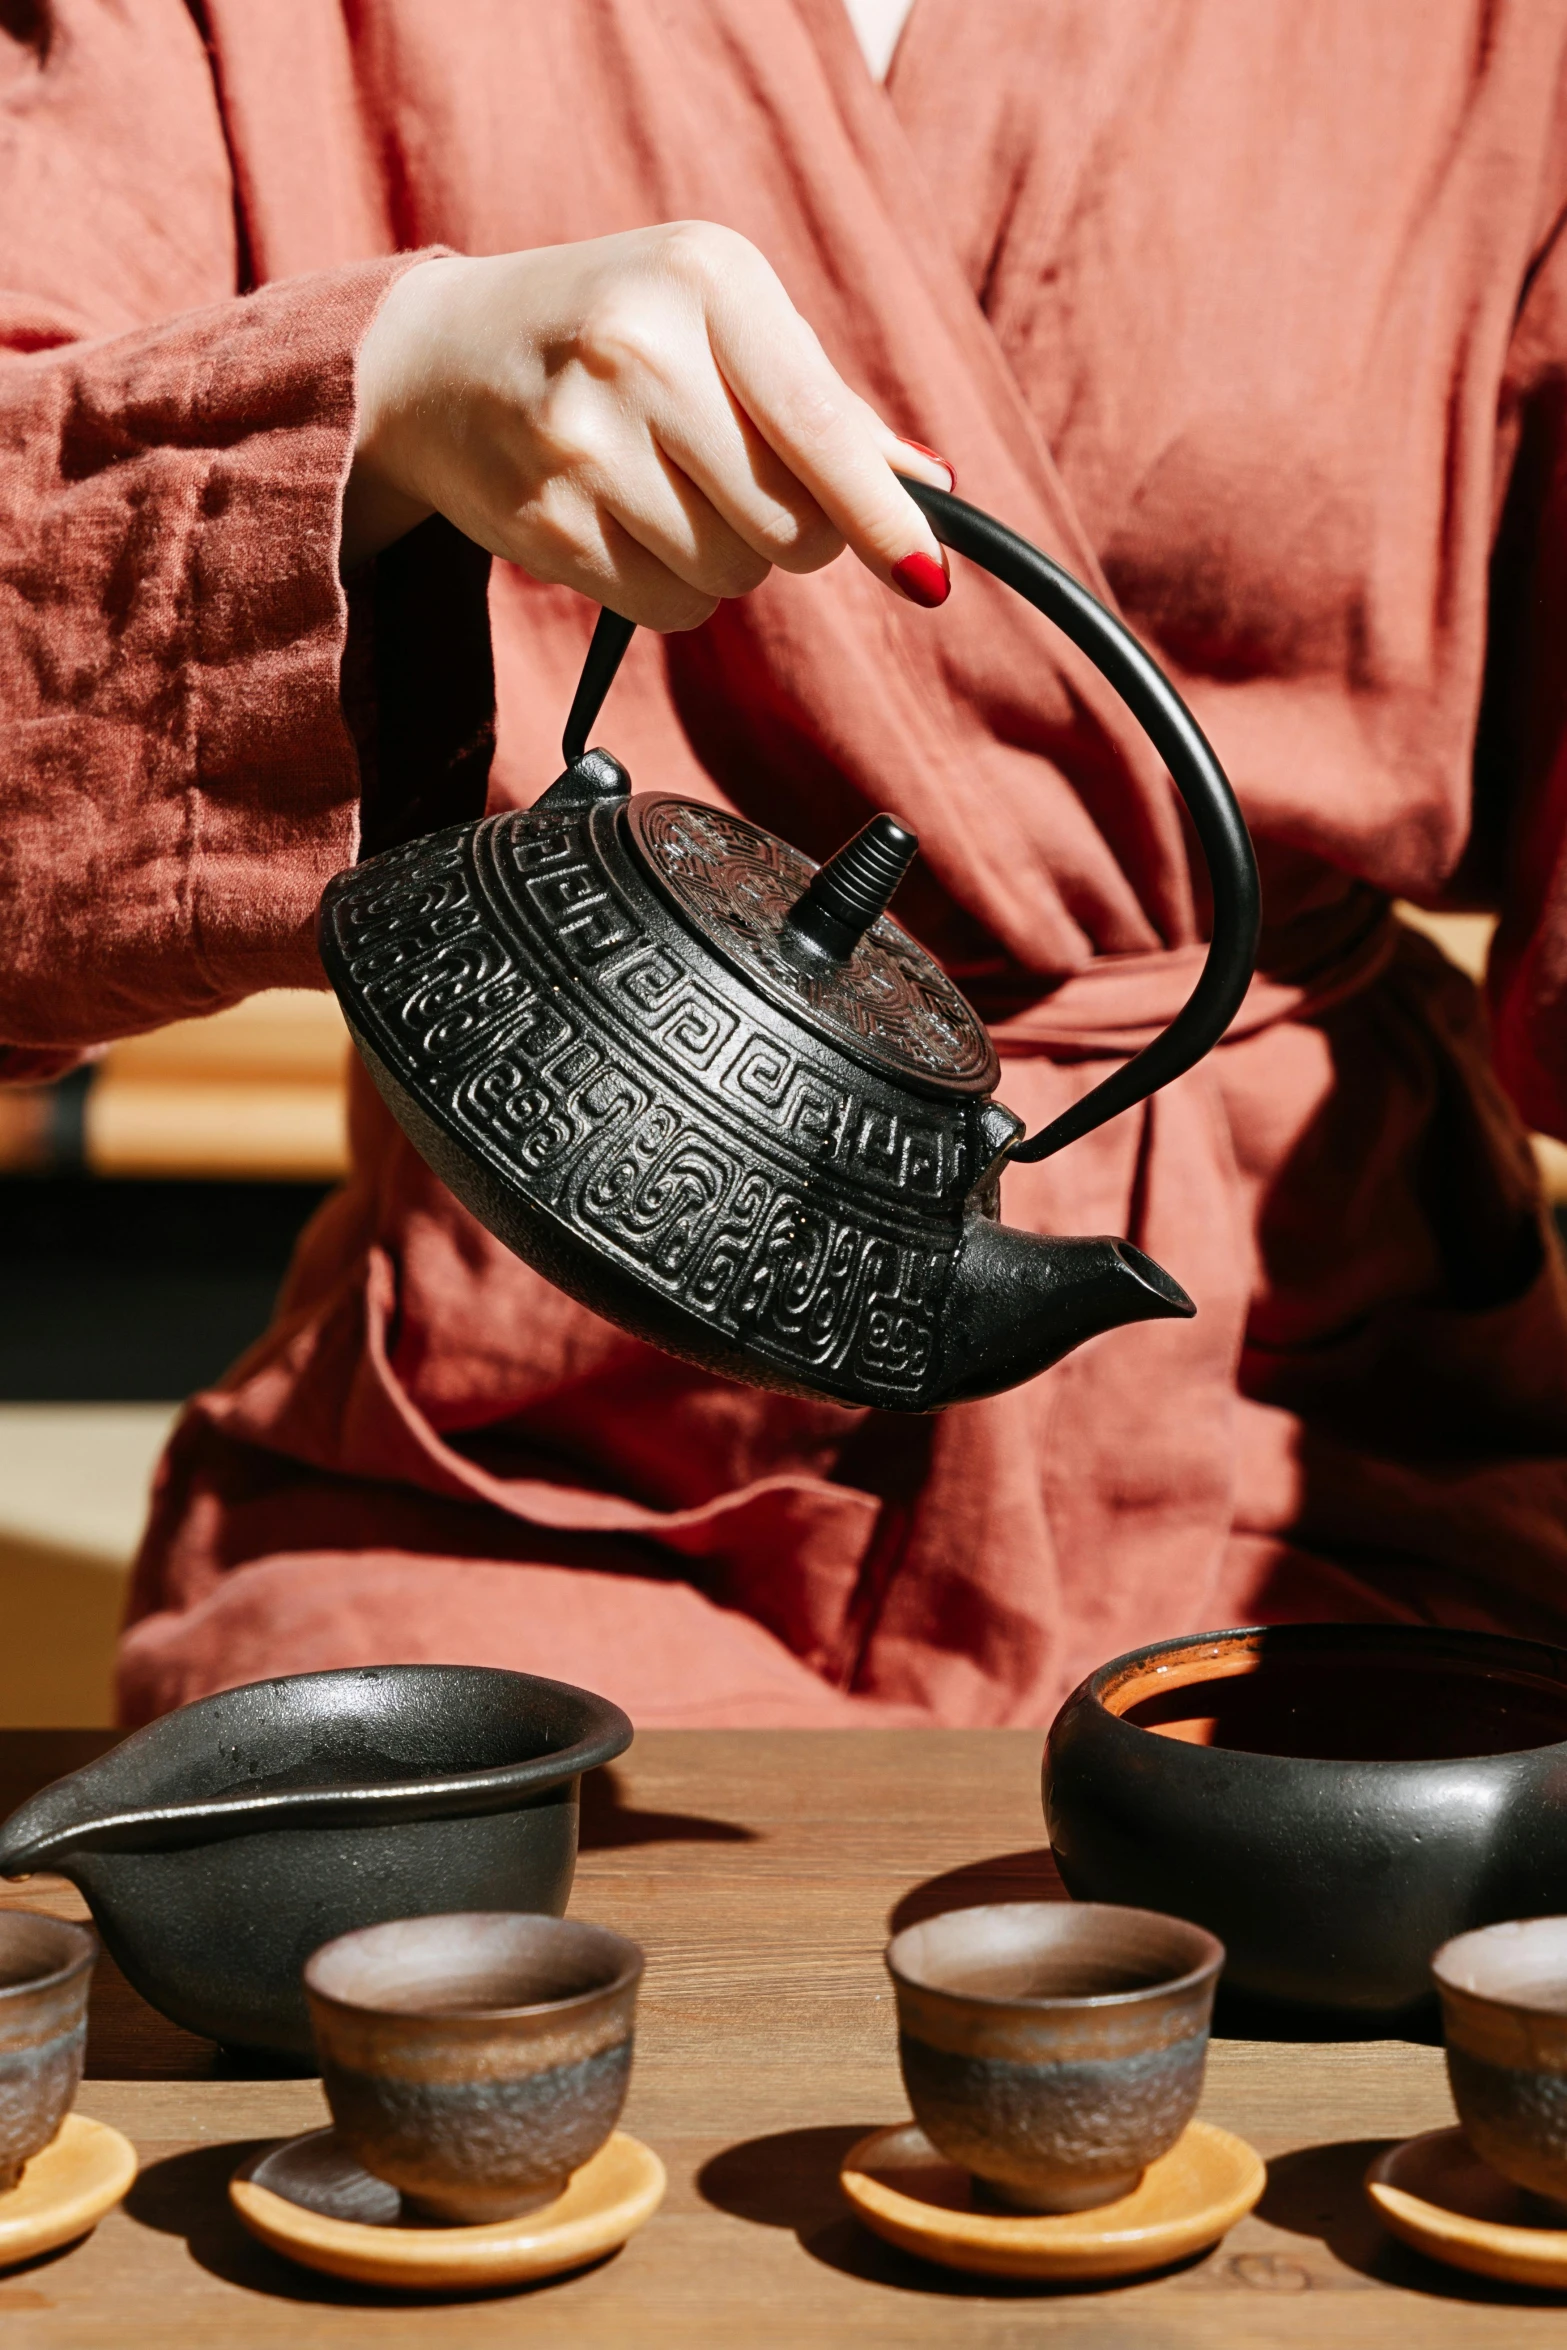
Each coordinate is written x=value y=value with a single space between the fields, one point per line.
x=1020 y=1301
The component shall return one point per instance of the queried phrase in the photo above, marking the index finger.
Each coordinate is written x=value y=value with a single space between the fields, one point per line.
x=780 y=375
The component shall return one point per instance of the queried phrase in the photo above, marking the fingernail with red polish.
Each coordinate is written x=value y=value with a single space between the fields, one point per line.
x=935 y=458
x=922 y=580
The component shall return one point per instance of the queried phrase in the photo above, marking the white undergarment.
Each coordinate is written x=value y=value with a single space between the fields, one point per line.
x=877 y=24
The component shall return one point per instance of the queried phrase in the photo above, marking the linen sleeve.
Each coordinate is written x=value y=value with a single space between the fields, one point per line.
x=194 y=711
x=177 y=774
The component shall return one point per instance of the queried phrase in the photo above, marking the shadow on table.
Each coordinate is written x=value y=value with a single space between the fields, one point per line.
x=1319 y=2192
x=790 y=2180
x=1007 y=1876
x=17 y=2292
x=187 y=2195
x=609 y=1822
x=129 y=2041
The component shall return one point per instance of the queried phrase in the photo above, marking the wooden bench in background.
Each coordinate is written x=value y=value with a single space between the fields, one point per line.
x=256 y=1092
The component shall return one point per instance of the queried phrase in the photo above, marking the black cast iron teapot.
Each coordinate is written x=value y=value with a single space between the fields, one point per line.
x=719 y=1095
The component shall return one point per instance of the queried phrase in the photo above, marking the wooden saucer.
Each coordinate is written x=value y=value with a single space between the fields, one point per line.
x=311 y=2201
x=1435 y=2193
x=901 y=2187
x=81 y=2174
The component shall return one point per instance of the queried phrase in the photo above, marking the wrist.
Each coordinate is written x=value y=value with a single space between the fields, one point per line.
x=383 y=496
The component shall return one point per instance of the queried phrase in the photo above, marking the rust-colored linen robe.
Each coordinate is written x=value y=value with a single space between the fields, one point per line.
x=1256 y=317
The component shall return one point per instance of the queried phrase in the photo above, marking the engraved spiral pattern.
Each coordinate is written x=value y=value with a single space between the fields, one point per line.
x=738 y=883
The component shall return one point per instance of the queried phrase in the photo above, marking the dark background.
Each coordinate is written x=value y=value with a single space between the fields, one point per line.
x=126 y=1292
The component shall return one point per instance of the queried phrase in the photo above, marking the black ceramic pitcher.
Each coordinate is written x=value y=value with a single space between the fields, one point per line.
x=721 y=1096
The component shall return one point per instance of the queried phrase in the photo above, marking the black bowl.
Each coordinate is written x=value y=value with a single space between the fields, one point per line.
x=220 y=1846
x=1333 y=1801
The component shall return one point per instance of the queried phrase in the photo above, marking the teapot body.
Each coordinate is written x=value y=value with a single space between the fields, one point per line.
x=717 y=1093
x=675 y=1143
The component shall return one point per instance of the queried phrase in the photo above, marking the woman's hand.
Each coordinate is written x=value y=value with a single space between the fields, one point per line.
x=646 y=418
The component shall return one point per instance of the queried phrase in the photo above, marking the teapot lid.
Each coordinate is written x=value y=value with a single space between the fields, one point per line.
x=887 y=1003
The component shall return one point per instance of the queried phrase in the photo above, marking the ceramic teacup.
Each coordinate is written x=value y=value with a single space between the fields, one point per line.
x=475 y=2061
x=1053 y=2049
x=45 y=1966
x=1504 y=2017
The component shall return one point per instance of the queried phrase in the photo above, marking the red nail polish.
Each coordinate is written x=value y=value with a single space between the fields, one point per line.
x=936 y=459
x=922 y=580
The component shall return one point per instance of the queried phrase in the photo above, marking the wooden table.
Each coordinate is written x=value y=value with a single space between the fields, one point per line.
x=760 y=1871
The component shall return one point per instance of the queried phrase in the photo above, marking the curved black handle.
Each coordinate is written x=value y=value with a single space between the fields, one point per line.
x=611 y=636
x=1197 y=775
x=1175 y=735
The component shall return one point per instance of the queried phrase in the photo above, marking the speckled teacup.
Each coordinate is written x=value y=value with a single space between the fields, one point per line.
x=45 y=1967
x=1054 y=2049
x=475 y=2061
x=1504 y=2018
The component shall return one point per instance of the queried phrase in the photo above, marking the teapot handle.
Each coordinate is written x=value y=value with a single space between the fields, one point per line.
x=1175 y=735
x=611 y=635
x=1197 y=776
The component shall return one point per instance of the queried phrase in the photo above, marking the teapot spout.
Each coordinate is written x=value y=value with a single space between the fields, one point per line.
x=1020 y=1301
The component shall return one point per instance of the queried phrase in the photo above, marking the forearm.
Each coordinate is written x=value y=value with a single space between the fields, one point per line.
x=178 y=778
x=643 y=418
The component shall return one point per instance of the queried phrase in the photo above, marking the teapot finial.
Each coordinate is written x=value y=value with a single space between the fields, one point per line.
x=854 y=887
